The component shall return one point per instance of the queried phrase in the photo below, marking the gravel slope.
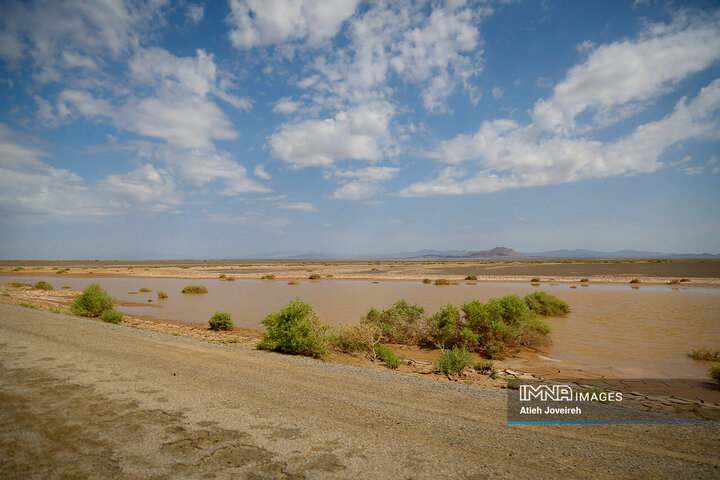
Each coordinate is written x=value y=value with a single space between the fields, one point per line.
x=82 y=399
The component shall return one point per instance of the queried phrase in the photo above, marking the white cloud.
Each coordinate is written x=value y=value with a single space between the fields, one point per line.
x=363 y=183
x=695 y=170
x=304 y=206
x=497 y=93
x=259 y=171
x=146 y=186
x=510 y=156
x=72 y=34
x=360 y=133
x=286 y=106
x=195 y=13
x=267 y=22
x=616 y=78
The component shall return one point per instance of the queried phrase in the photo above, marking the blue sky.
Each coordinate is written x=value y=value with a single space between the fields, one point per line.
x=224 y=129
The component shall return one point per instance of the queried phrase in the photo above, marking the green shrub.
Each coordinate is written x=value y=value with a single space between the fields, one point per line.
x=92 y=302
x=514 y=383
x=19 y=284
x=17 y=269
x=296 y=329
x=43 y=285
x=28 y=305
x=426 y=281
x=535 y=280
x=269 y=276
x=584 y=280
x=162 y=294
x=471 y=277
x=401 y=323
x=314 y=276
x=442 y=281
x=112 y=316
x=543 y=303
x=484 y=366
x=387 y=355
x=493 y=348
x=449 y=329
x=194 y=289
x=361 y=337
x=635 y=280
x=706 y=354
x=145 y=290
x=453 y=361
x=714 y=372
x=221 y=321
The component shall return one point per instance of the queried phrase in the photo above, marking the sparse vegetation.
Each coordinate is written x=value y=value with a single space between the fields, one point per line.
x=19 y=284
x=314 y=276
x=453 y=361
x=714 y=372
x=426 y=281
x=18 y=269
x=705 y=354
x=296 y=329
x=543 y=303
x=269 y=276
x=514 y=383
x=361 y=337
x=145 y=290
x=61 y=271
x=194 y=289
x=112 y=316
x=471 y=277
x=387 y=355
x=584 y=280
x=293 y=282
x=92 y=302
x=221 y=321
x=162 y=294
x=401 y=323
x=43 y=285
x=28 y=305
x=442 y=281
x=635 y=280
x=535 y=280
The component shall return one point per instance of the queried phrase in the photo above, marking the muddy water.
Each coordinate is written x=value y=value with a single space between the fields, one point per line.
x=616 y=329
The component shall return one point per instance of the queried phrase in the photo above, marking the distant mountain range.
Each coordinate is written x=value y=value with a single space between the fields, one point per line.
x=497 y=253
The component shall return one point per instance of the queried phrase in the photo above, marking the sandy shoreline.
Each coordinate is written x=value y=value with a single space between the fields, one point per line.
x=704 y=273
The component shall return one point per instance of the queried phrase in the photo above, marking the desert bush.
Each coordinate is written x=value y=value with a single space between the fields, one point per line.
x=92 y=302
x=635 y=280
x=706 y=354
x=43 y=285
x=426 y=281
x=269 y=276
x=449 y=329
x=296 y=329
x=222 y=276
x=442 y=281
x=584 y=280
x=714 y=372
x=493 y=349
x=361 y=337
x=484 y=366
x=17 y=269
x=19 y=284
x=314 y=276
x=514 y=383
x=145 y=290
x=401 y=323
x=194 y=289
x=453 y=361
x=471 y=277
x=28 y=305
x=543 y=303
x=387 y=355
x=162 y=294
x=221 y=321
x=535 y=280
x=112 y=316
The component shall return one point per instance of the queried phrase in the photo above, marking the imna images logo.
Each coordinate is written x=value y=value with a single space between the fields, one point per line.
x=560 y=393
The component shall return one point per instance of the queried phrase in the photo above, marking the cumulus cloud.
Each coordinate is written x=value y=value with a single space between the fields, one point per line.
x=616 y=78
x=31 y=188
x=195 y=13
x=613 y=82
x=304 y=206
x=259 y=171
x=360 y=133
x=510 y=156
x=263 y=22
x=362 y=183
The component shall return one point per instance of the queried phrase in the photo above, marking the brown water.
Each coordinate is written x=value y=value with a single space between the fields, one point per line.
x=631 y=332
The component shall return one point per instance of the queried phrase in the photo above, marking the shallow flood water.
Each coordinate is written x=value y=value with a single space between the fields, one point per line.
x=631 y=332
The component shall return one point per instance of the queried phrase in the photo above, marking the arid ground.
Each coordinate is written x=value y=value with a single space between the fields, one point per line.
x=83 y=399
